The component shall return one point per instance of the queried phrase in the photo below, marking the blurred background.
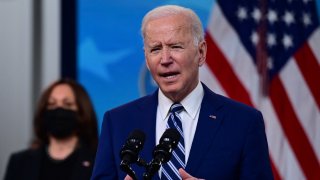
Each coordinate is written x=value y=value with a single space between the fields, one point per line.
x=98 y=43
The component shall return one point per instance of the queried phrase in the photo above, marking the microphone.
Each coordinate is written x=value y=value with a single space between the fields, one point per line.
x=162 y=152
x=130 y=151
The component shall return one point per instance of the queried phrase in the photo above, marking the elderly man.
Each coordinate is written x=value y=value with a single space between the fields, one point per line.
x=220 y=138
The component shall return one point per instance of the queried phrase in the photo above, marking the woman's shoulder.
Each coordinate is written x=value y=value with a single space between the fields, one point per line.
x=21 y=163
x=26 y=153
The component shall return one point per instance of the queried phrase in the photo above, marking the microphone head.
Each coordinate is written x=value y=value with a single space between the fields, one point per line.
x=136 y=136
x=168 y=141
x=134 y=143
x=171 y=137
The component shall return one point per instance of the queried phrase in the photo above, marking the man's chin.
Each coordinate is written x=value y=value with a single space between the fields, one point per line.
x=171 y=91
x=170 y=88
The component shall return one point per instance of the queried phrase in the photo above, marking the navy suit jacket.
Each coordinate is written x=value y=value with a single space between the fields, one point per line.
x=229 y=142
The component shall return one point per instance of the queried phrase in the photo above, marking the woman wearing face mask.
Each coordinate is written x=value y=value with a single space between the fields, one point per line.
x=66 y=135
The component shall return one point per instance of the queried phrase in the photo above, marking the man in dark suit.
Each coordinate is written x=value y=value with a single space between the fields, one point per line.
x=222 y=139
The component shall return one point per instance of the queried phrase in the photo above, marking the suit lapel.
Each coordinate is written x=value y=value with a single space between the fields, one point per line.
x=210 y=118
x=149 y=115
x=148 y=111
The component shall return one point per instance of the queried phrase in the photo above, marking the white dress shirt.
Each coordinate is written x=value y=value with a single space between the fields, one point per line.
x=189 y=116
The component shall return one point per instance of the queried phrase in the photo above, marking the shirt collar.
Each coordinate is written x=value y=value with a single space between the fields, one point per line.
x=191 y=103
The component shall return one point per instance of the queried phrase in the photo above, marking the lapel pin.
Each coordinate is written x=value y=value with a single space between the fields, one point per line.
x=86 y=163
x=213 y=116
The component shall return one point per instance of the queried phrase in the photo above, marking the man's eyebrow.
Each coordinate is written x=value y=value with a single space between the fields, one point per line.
x=154 y=45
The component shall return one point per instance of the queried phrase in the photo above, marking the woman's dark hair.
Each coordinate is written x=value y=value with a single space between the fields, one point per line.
x=87 y=130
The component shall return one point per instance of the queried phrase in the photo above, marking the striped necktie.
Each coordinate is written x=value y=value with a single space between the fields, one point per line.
x=177 y=161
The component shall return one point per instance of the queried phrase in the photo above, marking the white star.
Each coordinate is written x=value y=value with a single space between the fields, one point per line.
x=306 y=19
x=242 y=13
x=272 y=16
x=287 y=41
x=254 y=38
x=288 y=18
x=256 y=14
x=271 y=40
x=270 y=63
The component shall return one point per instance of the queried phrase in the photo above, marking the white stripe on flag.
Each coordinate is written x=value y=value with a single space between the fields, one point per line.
x=315 y=44
x=303 y=103
x=208 y=78
x=280 y=150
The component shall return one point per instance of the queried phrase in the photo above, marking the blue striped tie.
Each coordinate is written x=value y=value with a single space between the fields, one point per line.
x=177 y=161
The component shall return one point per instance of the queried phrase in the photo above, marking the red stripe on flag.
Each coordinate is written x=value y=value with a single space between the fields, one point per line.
x=224 y=73
x=276 y=175
x=220 y=67
x=310 y=69
x=293 y=130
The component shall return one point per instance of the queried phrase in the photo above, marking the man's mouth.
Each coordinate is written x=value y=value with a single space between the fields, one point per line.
x=169 y=75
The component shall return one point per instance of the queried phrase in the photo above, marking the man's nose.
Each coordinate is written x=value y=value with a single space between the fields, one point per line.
x=166 y=57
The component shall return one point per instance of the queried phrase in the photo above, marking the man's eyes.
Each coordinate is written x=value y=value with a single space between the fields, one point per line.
x=154 y=49
x=157 y=49
x=176 y=47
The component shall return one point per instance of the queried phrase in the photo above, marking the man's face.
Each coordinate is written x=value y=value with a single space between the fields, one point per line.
x=172 y=56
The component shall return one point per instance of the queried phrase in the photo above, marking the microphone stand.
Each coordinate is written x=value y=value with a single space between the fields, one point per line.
x=151 y=169
x=124 y=166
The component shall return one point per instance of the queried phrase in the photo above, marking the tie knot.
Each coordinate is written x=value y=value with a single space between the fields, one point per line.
x=176 y=107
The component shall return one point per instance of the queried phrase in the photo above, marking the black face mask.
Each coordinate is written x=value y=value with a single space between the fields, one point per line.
x=60 y=123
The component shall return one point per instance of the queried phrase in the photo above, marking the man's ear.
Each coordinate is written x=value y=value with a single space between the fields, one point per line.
x=202 y=48
x=145 y=58
x=147 y=64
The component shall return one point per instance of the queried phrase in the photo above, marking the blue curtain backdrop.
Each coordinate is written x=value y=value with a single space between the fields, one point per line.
x=110 y=57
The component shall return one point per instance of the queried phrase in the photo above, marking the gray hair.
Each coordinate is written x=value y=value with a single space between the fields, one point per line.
x=169 y=10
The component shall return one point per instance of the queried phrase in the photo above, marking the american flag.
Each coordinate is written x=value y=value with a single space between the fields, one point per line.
x=266 y=53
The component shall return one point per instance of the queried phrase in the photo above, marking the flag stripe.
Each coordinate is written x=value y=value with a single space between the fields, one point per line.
x=280 y=150
x=293 y=130
x=309 y=115
x=310 y=70
x=210 y=80
x=276 y=176
x=314 y=43
x=219 y=66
